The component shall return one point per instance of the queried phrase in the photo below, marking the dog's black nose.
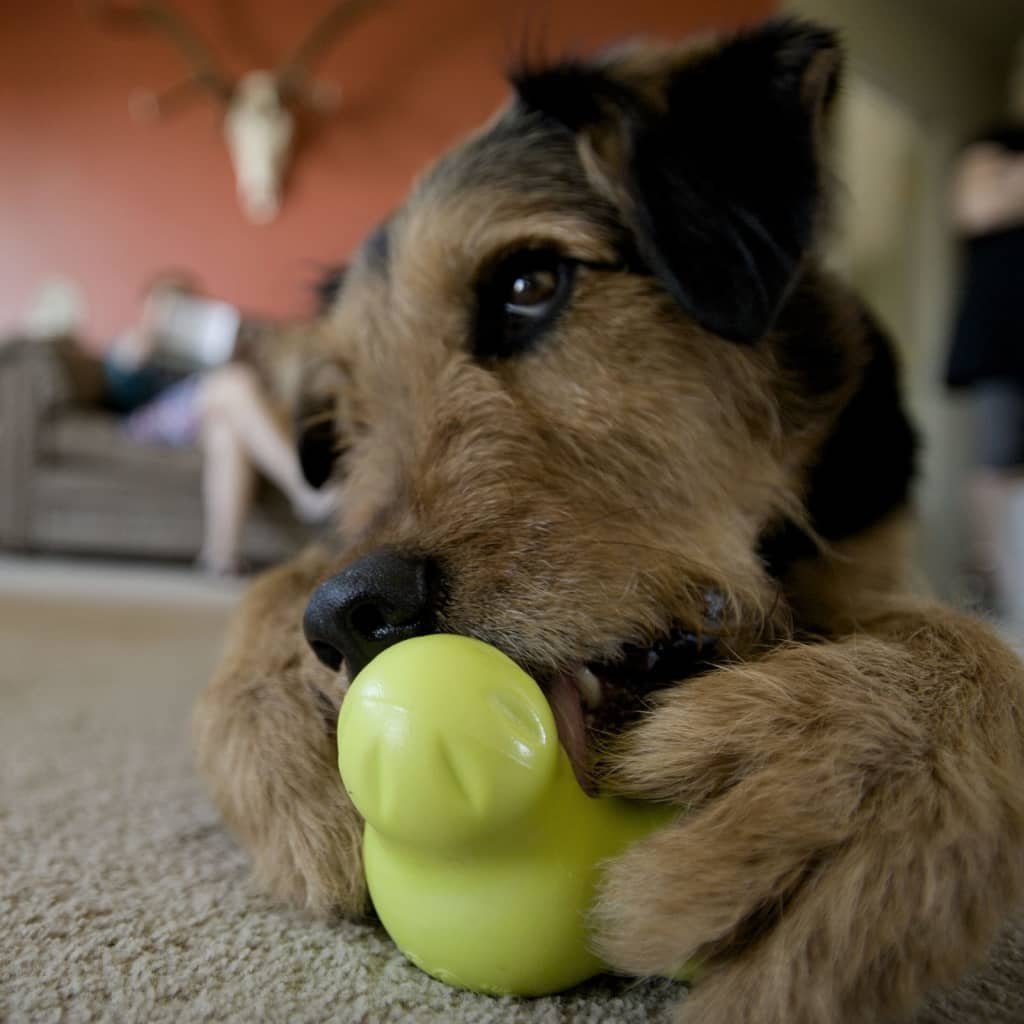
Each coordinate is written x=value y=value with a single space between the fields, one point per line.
x=385 y=597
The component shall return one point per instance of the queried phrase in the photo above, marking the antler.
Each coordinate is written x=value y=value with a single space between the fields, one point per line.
x=293 y=71
x=161 y=17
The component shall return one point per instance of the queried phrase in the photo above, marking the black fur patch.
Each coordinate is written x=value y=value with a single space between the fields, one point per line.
x=810 y=350
x=725 y=186
x=782 y=545
x=575 y=94
x=316 y=443
x=865 y=467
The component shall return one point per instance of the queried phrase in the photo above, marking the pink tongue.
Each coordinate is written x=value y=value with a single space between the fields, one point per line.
x=565 y=703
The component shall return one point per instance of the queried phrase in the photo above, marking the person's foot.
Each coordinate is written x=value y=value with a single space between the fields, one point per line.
x=214 y=565
x=316 y=506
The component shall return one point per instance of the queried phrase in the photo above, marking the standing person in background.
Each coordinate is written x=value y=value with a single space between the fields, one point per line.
x=178 y=379
x=987 y=354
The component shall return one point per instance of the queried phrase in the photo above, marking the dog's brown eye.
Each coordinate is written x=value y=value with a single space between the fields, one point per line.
x=531 y=289
x=519 y=300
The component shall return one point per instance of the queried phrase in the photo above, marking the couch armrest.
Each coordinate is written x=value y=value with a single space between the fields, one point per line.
x=21 y=408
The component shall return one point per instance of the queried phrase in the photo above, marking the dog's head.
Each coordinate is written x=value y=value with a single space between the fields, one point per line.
x=587 y=367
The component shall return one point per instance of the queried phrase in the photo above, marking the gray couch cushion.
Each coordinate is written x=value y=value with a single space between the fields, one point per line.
x=84 y=435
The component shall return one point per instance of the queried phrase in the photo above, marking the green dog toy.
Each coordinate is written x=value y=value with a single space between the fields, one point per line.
x=481 y=851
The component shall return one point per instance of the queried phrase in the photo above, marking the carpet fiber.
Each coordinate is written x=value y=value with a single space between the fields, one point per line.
x=121 y=896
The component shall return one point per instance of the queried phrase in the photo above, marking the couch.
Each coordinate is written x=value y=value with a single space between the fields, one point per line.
x=72 y=483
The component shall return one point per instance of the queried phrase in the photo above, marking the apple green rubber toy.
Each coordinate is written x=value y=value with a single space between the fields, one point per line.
x=481 y=851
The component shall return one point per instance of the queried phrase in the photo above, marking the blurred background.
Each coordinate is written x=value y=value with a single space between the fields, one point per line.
x=163 y=208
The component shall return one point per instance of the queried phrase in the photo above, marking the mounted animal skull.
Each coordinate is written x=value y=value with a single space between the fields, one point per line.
x=259 y=129
x=259 y=115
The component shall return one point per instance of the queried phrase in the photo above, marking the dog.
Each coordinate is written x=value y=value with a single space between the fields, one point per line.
x=594 y=400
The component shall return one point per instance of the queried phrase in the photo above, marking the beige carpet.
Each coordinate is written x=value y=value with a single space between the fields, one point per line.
x=121 y=897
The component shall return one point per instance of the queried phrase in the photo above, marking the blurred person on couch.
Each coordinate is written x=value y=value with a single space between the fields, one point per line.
x=179 y=378
x=987 y=353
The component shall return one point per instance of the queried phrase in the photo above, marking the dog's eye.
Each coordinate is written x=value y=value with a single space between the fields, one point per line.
x=519 y=299
x=531 y=290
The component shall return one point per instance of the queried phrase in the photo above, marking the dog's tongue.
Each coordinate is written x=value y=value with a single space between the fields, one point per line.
x=564 y=696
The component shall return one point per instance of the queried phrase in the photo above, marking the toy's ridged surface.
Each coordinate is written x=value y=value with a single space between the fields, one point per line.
x=482 y=853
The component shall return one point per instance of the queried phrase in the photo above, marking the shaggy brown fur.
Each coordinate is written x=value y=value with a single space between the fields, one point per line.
x=670 y=453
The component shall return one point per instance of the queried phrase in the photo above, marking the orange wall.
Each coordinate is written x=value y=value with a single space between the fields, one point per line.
x=87 y=192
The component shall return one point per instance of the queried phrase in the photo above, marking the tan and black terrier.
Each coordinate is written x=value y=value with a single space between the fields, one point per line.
x=595 y=402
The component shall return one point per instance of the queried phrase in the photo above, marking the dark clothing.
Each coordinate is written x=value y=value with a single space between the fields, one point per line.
x=988 y=343
x=128 y=390
x=997 y=412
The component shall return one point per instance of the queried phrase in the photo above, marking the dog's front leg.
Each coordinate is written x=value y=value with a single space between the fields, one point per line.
x=266 y=744
x=854 y=825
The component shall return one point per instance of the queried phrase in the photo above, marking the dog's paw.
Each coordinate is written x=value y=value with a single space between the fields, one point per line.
x=810 y=723
x=310 y=855
x=768 y=918
x=770 y=765
x=265 y=742
x=746 y=992
x=640 y=919
x=699 y=885
x=666 y=909
x=271 y=767
x=831 y=861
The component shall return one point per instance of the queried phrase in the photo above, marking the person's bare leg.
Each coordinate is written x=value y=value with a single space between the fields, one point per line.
x=233 y=395
x=227 y=490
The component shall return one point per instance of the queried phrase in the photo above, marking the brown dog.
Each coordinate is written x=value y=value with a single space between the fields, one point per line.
x=598 y=405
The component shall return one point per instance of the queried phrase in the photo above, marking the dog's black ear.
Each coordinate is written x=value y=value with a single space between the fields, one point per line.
x=316 y=418
x=712 y=155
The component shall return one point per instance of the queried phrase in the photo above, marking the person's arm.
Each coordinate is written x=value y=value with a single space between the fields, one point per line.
x=988 y=191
